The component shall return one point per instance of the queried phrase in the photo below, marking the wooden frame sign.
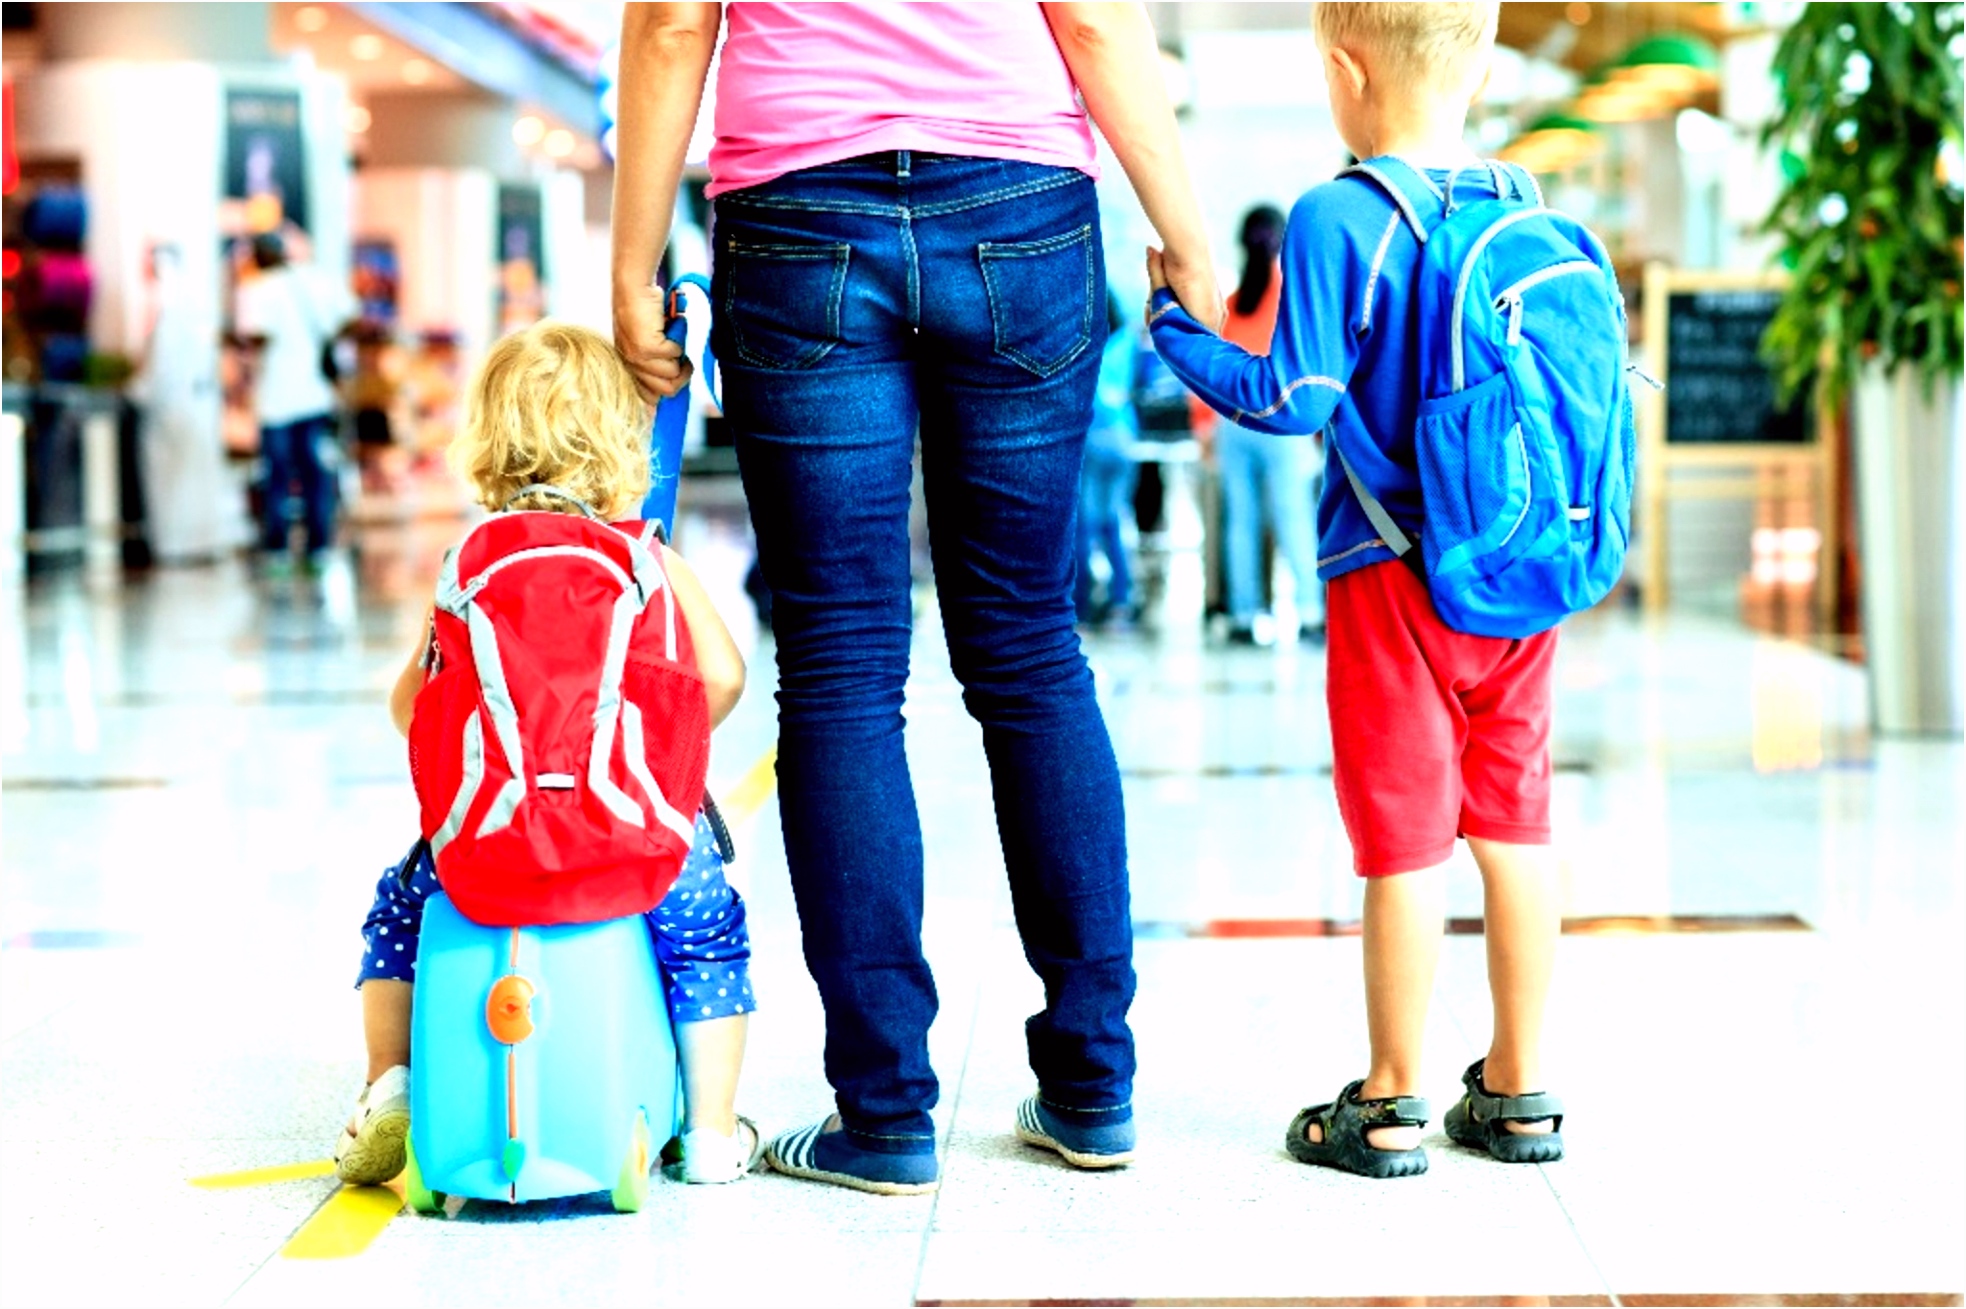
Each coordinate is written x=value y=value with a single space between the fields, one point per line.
x=1719 y=415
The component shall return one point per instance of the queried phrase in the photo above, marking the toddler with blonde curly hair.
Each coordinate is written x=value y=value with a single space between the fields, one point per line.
x=555 y=425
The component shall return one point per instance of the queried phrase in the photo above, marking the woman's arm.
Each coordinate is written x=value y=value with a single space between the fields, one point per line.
x=1115 y=59
x=717 y=655
x=665 y=57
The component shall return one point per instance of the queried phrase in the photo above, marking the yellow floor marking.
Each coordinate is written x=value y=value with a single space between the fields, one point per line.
x=352 y=1218
x=744 y=799
x=261 y=1176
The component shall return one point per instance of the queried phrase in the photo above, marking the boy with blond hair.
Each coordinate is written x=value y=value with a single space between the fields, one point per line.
x=1436 y=734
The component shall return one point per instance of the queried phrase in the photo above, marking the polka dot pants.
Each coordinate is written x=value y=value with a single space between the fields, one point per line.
x=700 y=938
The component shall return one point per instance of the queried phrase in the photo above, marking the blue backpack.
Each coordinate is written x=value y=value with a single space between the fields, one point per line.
x=1524 y=433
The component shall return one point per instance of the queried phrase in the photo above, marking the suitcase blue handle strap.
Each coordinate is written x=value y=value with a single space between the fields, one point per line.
x=672 y=416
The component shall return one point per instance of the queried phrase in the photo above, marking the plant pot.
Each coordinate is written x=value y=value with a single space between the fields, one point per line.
x=1910 y=475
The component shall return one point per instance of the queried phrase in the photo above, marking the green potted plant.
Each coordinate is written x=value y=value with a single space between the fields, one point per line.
x=1869 y=216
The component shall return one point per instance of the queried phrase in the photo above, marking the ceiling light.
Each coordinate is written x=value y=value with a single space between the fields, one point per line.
x=310 y=18
x=528 y=130
x=1683 y=65
x=417 y=71
x=1553 y=143
x=559 y=143
x=366 y=46
x=1608 y=107
x=1607 y=99
x=356 y=119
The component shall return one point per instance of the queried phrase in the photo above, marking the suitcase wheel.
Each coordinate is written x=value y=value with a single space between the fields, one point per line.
x=633 y=1188
x=421 y=1198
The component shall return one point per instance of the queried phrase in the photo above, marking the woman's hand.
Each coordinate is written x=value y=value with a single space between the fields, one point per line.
x=659 y=366
x=1193 y=285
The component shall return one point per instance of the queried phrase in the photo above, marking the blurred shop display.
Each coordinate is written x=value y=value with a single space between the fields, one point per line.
x=265 y=162
x=1722 y=430
x=80 y=480
x=54 y=285
x=434 y=380
x=440 y=161
x=521 y=247
x=1869 y=217
x=378 y=277
x=264 y=190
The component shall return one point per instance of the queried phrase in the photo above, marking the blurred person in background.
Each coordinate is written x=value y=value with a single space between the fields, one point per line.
x=289 y=316
x=1107 y=477
x=195 y=511
x=1267 y=481
x=374 y=393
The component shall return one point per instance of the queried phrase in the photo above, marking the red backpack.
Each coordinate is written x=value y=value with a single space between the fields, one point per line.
x=560 y=741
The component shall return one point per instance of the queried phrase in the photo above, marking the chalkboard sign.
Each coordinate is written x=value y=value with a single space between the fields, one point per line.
x=1719 y=390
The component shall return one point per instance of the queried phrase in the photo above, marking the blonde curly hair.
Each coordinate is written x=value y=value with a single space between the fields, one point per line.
x=554 y=404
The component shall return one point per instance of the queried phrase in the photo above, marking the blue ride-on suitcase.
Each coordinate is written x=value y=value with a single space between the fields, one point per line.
x=544 y=1062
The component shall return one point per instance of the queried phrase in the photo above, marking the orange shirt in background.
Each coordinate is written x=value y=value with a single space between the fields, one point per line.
x=1250 y=331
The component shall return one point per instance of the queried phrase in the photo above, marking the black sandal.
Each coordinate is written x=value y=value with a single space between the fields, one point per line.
x=1477 y=1121
x=1344 y=1123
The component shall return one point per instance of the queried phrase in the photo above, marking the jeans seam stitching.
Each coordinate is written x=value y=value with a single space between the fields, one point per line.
x=1074 y=1109
x=1018 y=192
x=1070 y=176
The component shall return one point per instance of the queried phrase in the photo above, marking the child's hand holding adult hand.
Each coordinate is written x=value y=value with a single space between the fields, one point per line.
x=1193 y=283
x=658 y=363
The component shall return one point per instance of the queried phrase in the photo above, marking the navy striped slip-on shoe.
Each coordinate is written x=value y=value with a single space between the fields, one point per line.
x=822 y=1156
x=1109 y=1145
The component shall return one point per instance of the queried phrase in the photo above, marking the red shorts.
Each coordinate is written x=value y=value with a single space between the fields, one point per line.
x=1434 y=734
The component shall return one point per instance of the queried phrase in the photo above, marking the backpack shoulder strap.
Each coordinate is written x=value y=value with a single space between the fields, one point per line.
x=652 y=575
x=548 y=489
x=1382 y=522
x=1411 y=190
x=1526 y=185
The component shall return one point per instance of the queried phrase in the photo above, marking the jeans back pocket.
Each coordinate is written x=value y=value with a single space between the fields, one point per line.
x=782 y=302
x=1041 y=298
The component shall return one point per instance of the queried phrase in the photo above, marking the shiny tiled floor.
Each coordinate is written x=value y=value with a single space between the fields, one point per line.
x=200 y=785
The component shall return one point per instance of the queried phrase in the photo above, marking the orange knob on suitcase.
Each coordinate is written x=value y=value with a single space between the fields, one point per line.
x=508 y=1009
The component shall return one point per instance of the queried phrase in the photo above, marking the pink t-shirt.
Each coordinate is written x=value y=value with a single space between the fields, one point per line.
x=807 y=84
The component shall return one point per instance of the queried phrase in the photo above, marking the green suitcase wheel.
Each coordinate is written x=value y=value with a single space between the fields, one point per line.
x=421 y=1198
x=633 y=1188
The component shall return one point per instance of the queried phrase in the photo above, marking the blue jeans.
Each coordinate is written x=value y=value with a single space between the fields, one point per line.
x=1105 y=498
x=294 y=467
x=857 y=304
x=1268 y=477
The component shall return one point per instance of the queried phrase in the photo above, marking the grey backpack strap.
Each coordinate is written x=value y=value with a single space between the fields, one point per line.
x=546 y=488
x=1397 y=541
x=726 y=849
x=1526 y=184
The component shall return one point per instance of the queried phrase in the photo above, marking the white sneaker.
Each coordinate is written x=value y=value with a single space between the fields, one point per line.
x=371 y=1149
x=711 y=1158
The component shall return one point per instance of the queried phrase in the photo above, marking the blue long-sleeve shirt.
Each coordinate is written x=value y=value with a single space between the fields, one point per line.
x=1344 y=359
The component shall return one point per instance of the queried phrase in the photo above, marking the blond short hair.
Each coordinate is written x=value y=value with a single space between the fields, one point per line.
x=1413 y=43
x=554 y=404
